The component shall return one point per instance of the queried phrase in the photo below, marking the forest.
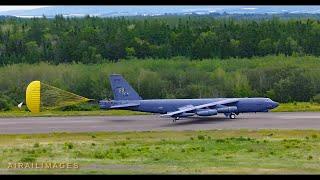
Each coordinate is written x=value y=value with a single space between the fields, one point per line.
x=163 y=57
x=284 y=79
x=96 y=40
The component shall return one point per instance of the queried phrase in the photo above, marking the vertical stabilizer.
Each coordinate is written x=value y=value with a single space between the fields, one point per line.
x=121 y=88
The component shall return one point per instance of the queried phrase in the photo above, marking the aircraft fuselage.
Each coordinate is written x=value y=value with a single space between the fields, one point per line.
x=125 y=97
x=163 y=106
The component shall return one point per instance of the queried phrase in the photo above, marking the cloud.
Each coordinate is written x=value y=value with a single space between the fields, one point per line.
x=10 y=8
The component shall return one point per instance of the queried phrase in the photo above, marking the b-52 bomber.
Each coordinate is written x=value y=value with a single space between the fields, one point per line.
x=125 y=97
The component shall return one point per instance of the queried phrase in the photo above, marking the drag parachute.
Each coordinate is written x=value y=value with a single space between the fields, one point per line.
x=41 y=96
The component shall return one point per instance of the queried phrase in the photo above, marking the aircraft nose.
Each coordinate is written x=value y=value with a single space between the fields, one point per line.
x=272 y=104
x=275 y=104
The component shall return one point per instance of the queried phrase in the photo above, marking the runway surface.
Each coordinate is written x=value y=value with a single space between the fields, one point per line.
x=296 y=120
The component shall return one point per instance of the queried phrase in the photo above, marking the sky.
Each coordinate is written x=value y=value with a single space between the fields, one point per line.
x=9 y=8
x=28 y=7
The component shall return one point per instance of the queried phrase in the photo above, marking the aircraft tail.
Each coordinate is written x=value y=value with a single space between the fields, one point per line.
x=121 y=88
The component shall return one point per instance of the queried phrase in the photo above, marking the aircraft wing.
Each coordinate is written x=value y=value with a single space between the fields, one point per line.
x=125 y=105
x=191 y=108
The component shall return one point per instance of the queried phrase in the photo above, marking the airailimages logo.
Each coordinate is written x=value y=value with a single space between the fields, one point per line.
x=43 y=165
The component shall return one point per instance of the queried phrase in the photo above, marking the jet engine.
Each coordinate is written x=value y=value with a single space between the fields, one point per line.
x=209 y=112
x=229 y=109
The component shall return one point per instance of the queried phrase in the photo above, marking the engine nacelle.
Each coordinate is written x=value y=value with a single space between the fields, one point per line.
x=230 y=109
x=209 y=112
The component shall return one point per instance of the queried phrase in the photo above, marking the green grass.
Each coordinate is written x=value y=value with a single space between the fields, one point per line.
x=165 y=152
x=298 y=107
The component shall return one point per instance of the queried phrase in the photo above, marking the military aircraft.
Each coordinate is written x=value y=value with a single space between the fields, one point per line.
x=125 y=97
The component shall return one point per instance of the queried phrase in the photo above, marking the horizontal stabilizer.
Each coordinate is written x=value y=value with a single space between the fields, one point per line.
x=125 y=105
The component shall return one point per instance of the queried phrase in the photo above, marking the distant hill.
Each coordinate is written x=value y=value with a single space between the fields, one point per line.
x=111 y=11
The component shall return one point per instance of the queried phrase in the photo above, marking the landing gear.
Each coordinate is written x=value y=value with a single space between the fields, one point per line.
x=175 y=119
x=232 y=116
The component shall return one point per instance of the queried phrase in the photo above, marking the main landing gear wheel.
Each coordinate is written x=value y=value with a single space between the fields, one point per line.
x=232 y=116
x=175 y=119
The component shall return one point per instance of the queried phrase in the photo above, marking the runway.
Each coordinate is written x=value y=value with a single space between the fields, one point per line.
x=26 y=125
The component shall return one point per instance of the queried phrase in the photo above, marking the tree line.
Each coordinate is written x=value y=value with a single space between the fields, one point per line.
x=284 y=79
x=96 y=40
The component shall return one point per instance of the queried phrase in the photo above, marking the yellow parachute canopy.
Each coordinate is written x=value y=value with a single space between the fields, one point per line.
x=33 y=96
x=43 y=96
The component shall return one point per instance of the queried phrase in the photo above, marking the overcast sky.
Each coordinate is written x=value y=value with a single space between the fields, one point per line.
x=9 y=8
x=27 y=7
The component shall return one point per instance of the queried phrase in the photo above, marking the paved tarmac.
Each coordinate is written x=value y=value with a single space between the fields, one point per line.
x=26 y=125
